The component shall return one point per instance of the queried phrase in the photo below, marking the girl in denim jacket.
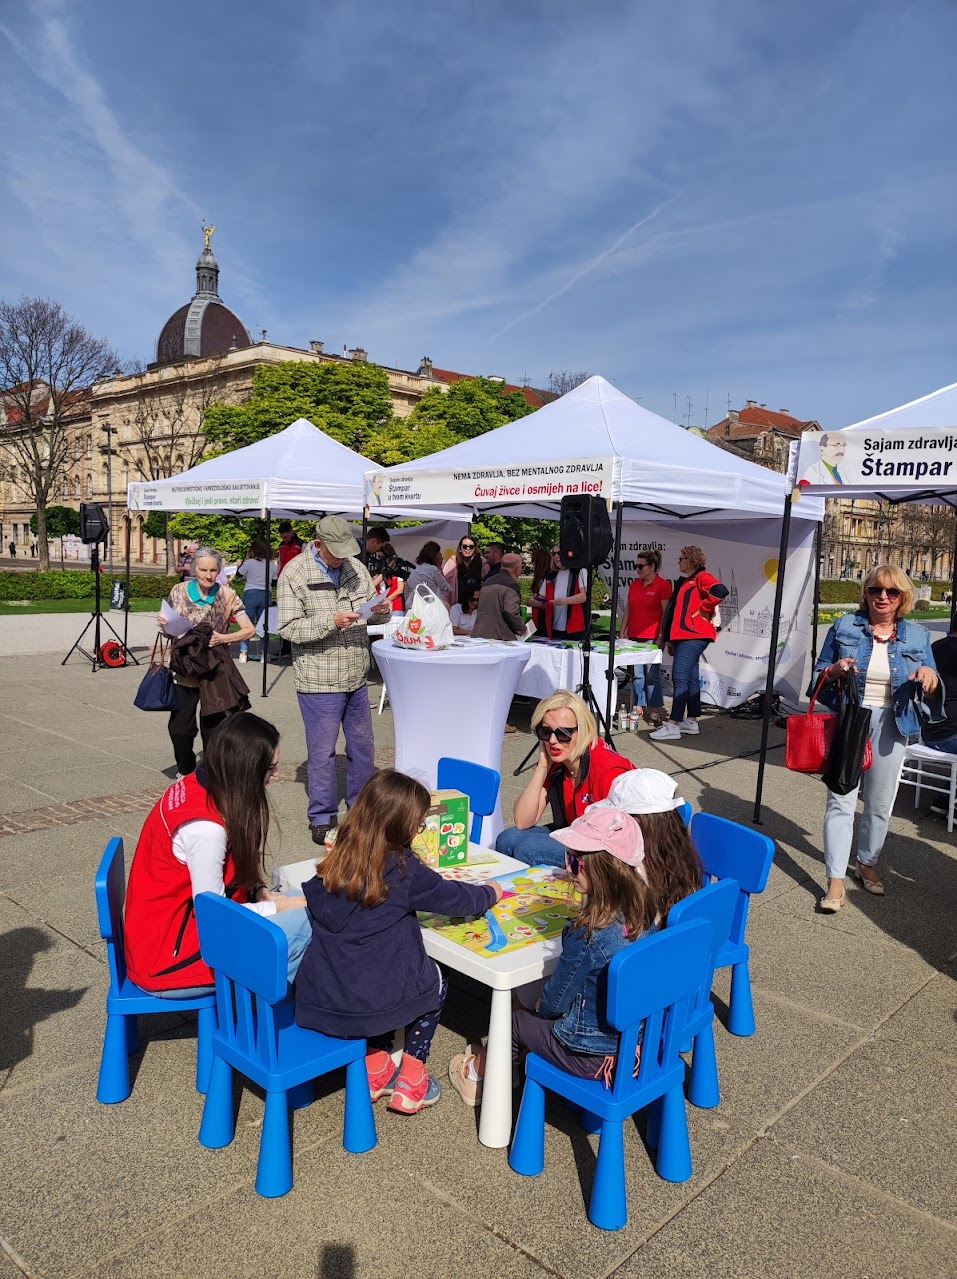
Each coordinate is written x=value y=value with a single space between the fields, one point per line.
x=892 y=664
x=629 y=875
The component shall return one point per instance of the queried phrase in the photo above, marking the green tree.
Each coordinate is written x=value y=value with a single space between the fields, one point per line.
x=61 y=522
x=349 y=400
x=156 y=525
x=471 y=406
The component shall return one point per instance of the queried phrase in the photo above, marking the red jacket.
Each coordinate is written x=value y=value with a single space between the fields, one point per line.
x=693 y=603
x=162 y=944
x=600 y=765
x=575 y=615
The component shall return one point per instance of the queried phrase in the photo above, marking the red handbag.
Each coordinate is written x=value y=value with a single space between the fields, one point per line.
x=809 y=737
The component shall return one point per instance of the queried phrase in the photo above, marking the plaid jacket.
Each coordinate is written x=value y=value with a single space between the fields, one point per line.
x=325 y=658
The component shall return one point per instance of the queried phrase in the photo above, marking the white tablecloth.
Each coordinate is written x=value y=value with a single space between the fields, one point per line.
x=453 y=702
x=554 y=668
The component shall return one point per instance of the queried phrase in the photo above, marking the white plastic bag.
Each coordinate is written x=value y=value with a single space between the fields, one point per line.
x=426 y=623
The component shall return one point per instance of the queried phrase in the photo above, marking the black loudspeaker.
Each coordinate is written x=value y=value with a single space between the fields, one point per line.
x=584 y=534
x=94 y=526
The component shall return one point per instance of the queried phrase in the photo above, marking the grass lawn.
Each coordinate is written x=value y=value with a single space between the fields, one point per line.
x=7 y=609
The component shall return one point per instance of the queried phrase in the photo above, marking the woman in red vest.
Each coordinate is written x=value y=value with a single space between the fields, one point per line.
x=207 y=834
x=564 y=596
x=575 y=768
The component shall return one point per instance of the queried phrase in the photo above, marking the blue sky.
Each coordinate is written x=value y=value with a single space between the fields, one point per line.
x=740 y=199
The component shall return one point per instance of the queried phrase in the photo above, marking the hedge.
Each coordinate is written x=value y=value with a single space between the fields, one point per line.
x=849 y=592
x=73 y=584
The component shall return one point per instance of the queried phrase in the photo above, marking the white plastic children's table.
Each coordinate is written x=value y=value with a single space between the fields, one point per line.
x=503 y=974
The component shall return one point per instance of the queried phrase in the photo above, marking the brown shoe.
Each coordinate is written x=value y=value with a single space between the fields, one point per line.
x=510 y=728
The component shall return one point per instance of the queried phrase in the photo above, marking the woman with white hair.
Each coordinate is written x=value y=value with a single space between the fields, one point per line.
x=575 y=769
x=202 y=600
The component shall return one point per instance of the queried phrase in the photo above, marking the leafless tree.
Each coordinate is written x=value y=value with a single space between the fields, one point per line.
x=563 y=381
x=162 y=429
x=48 y=363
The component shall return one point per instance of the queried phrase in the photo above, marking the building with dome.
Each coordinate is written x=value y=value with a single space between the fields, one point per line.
x=205 y=326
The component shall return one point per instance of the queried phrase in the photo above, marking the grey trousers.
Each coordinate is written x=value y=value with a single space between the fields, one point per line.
x=878 y=789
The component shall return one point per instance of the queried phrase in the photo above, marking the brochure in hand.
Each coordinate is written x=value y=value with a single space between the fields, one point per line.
x=536 y=904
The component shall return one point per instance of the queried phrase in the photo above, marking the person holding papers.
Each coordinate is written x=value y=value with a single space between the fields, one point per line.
x=200 y=602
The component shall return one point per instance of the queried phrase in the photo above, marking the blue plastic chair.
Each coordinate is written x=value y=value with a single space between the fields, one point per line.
x=125 y=1000
x=731 y=851
x=257 y=1035
x=684 y=811
x=715 y=905
x=651 y=987
x=481 y=784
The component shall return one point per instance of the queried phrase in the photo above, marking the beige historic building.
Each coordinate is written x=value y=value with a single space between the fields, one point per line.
x=148 y=424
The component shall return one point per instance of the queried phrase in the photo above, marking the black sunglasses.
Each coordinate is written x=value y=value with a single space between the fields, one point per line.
x=564 y=735
x=891 y=592
x=574 y=862
x=468 y=546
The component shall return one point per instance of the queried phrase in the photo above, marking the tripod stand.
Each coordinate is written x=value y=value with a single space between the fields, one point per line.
x=97 y=620
x=584 y=689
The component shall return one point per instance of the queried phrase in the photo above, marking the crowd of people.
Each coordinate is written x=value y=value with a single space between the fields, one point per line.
x=356 y=961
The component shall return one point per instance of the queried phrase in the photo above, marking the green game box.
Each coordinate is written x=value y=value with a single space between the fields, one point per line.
x=445 y=840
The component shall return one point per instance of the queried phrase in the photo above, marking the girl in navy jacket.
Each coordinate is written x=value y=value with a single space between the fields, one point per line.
x=366 y=972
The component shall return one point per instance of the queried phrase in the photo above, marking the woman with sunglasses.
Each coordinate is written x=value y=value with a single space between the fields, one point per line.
x=575 y=768
x=464 y=568
x=893 y=666
x=687 y=628
x=207 y=834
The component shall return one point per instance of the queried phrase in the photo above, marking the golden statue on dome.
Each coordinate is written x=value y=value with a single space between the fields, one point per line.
x=208 y=233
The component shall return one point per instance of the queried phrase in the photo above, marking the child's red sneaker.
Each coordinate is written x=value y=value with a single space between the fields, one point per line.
x=382 y=1072
x=415 y=1089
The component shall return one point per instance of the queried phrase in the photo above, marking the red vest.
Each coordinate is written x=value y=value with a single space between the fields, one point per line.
x=575 y=614
x=162 y=944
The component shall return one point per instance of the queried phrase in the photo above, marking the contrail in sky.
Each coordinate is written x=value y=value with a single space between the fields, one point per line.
x=590 y=266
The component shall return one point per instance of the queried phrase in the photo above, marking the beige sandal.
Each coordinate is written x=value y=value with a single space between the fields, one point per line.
x=874 y=886
x=831 y=905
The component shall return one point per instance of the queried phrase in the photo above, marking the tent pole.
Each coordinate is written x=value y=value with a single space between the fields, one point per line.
x=817 y=590
x=265 y=644
x=953 y=585
x=613 y=627
x=363 y=552
x=772 y=655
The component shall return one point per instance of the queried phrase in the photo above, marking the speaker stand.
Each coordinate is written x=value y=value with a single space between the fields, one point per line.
x=97 y=621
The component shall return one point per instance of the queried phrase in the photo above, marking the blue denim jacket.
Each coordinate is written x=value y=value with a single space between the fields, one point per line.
x=851 y=636
x=577 y=991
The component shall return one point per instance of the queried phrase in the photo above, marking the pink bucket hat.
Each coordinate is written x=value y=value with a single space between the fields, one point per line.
x=605 y=830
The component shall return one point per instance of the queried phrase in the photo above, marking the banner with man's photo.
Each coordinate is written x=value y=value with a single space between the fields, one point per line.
x=863 y=461
x=744 y=557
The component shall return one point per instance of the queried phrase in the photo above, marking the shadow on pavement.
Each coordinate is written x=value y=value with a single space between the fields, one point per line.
x=26 y=1006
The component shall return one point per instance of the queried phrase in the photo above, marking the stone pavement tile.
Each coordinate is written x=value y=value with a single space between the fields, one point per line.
x=18 y=797
x=919 y=916
x=7 y=1269
x=547 y=1215
x=89 y=776
x=929 y=1019
x=347 y=1217
x=778 y=1215
x=886 y=1117
x=79 y=1180
x=32 y=858
x=857 y=979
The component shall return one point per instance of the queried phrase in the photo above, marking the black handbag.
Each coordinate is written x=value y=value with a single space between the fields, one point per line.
x=845 y=760
x=157 y=692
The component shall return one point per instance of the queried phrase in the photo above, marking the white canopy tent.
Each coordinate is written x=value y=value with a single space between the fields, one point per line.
x=296 y=473
x=299 y=472
x=596 y=441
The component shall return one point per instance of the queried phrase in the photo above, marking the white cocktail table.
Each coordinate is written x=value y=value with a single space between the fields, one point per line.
x=502 y=974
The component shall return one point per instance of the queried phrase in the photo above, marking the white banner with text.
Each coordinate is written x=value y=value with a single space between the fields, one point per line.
x=193 y=495
x=881 y=460
x=521 y=482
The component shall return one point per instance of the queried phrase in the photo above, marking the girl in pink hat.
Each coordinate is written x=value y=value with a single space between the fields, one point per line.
x=630 y=872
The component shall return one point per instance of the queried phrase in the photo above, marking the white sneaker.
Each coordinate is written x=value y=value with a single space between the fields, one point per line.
x=244 y=657
x=668 y=732
x=689 y=726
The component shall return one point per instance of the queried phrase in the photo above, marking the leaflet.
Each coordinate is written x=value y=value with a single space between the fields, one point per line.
x=174 y=624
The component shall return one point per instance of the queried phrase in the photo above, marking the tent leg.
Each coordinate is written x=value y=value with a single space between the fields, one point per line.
x=265 y=646
x=772 y=655
x=363 y=553
x=817 y=590
x=613 y=628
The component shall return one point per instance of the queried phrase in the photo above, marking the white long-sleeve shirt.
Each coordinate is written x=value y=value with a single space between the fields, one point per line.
x=201 y=847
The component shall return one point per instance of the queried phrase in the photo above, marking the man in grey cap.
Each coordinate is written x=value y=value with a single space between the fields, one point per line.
x=319 y=594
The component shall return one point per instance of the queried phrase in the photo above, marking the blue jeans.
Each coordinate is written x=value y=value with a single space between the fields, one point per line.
x=878 y=789
x=685 y=678
x=646 y=683
x=323 y=714
x=948 y=744
x=534 y=846
x=254 y=605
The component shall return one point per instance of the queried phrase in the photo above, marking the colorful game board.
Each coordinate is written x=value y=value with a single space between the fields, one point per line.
x=537 y=903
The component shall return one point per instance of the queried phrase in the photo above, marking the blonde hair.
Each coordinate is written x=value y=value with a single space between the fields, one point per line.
x=890 y=575
x=563 y=700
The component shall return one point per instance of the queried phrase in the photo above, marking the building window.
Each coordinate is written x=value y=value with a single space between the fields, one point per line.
x=89 y=446
x=89 y=488
x=76 y=489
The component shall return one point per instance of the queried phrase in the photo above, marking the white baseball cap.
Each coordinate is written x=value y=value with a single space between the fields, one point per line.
x=645 y=790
